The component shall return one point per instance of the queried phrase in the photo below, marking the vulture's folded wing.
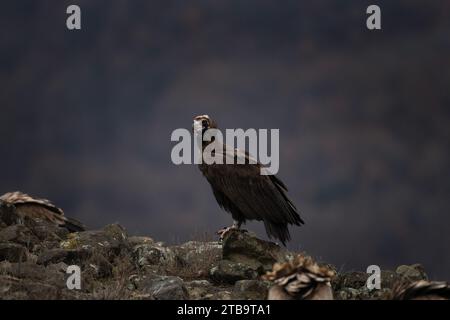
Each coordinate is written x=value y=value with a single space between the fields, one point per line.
x=258 y=197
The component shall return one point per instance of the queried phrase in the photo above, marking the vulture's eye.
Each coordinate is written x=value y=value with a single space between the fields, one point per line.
x=204 y=123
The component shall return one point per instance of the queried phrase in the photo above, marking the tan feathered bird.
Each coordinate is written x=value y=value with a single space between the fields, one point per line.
x=27 y=206
x=421 y=290
x=300 y=279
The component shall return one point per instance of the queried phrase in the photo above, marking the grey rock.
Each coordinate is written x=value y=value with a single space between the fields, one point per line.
x=362 y=294
x=12 y=252
x=164 y=288
x=196 y=258
x=18 y=234
x=198 y=289
x=350 y=280
x=413 y=272
x=229 y=272
x=33 y=272
x=381 y=294
x=347 y=294
x=99 y=265
x=24 y=289
x=70 y=256
x=357 y=280
x=195 y=252
x=153 y=254
x=46 y=230
x=111 y=240
x=250 y=290
x=52 y=256
x=389 y=278
x=245 y=248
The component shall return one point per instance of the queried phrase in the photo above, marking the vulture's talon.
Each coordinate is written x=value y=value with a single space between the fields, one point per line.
x=225 y=230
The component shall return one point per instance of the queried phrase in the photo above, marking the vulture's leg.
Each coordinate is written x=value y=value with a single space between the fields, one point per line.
x=236 y=226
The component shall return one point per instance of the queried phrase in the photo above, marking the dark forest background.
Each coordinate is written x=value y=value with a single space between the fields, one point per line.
x=86 y=116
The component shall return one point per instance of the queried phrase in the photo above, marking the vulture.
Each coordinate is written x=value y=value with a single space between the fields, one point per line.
x=421 y=290
x=300 y=279
x=27 y=206
x=242 y=191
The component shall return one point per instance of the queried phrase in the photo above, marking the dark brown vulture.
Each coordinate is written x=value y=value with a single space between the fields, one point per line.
x=26 y=206
x=300 y=279
x=241 y=190
x=421 y=290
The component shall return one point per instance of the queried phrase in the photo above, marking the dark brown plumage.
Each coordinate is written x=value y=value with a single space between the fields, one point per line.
x=421 y=290
x=43 y=209
x=241 y=190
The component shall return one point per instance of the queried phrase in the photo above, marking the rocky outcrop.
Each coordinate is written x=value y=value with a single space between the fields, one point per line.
x=162 y=287
x=245 y=257
x=35 y=255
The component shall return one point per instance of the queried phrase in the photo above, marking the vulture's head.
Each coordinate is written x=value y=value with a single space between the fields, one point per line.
x=203 y=123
